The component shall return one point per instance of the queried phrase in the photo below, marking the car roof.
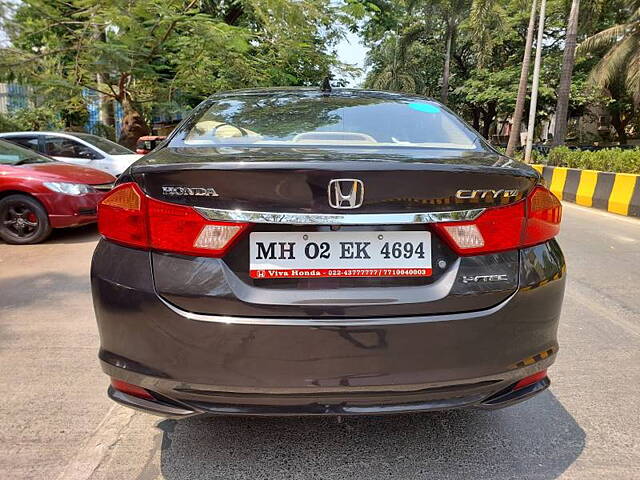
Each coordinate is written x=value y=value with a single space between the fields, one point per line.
x=316 y=92
x=58 y=134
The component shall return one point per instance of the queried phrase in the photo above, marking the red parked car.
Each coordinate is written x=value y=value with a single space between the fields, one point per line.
x=38 y=193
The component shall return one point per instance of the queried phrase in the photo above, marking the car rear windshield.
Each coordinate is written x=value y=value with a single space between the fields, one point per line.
x=103 y=144
x=299 y=119
x=11 y=154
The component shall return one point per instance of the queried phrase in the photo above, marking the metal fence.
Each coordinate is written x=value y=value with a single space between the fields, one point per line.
x=14 y=97
x=93 y=107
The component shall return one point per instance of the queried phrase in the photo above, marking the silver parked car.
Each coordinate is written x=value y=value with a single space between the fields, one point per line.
x=77 y=148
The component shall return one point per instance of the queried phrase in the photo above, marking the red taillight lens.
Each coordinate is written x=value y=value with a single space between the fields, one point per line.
x=544 y=213
x=174 y=228
x=126 y=215
x=530 y=380
x=528 y=222
x=496 y=229
x=122 y=216
x=130 y=389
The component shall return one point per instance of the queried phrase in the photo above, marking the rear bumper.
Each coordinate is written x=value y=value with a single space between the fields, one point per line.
x=207 y=364
x=165 y=407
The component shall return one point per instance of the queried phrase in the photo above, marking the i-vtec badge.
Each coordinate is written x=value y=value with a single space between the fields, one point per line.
x=175 y=191
x=484 y=278
x=482 y=194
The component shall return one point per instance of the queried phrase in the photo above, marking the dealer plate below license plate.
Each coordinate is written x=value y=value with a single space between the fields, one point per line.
x=340 y=254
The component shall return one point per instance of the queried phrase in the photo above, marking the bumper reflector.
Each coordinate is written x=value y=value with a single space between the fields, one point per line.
x=130 y=389
x=531 y=379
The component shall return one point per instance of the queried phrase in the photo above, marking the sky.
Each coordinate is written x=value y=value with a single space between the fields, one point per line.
x=350 y=50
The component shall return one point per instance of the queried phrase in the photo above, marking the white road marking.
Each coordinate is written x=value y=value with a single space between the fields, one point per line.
x=91 y=454
x=602 y=213
x=623 y=239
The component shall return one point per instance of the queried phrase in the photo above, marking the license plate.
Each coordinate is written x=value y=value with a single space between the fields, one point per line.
x=340 y=254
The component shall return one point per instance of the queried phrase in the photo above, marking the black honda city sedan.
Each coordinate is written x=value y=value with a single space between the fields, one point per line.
x=307 y=252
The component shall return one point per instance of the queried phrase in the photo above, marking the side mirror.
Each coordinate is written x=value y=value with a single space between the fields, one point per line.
x=87 y=154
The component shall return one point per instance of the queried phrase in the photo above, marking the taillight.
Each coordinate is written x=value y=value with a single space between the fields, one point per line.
x=122 y=216
x=126 y=215
x=544 y=213
x=528 y=222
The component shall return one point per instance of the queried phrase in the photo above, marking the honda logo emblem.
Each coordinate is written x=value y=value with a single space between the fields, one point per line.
x=346 y=193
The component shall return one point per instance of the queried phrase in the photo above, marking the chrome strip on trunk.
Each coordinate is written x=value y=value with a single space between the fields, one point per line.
x=338 y=218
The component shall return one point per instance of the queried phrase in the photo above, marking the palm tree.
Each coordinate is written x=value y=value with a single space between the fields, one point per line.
x=449 y=12
x=514 y=136
x=486 y=21
x=564 y=87
x=620 y=64
x=396 y=75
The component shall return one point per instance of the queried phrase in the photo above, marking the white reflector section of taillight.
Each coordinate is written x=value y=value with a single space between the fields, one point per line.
x=216 y=237
x=465 y=236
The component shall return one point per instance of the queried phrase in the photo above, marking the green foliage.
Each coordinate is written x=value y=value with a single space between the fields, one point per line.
x=536 y=156
x=106 y=131
x=488 y=47
x=38 y=118
x=149 y=52
x=607 y=160
x=8 y=124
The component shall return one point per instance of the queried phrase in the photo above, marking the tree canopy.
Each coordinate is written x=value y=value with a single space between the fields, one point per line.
x=162 y=55
x=151 y=53
x=408 y=52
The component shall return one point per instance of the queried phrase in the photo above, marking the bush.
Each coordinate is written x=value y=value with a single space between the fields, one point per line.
x=607 y=160
x=37 y=118
x=8 y=124
x=105 y=131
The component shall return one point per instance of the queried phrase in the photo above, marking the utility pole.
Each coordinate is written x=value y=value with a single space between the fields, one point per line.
x=514 y=135
x=564 y=87
x=536 y=84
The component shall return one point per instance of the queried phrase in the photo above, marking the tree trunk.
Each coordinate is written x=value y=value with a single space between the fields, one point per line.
x=107 y=113
x=444 y=93
x=533 y=105
x=516 y=121
x=564 y=87
x=476 y=118
x=487 y=120
x=620 y=126
x=133 y=125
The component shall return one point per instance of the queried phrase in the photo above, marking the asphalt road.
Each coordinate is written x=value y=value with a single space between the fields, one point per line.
x=58 y=424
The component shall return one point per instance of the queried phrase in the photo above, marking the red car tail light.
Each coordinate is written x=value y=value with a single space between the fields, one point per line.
x=544 y=213
x=126 y=215
x=528 y=222
x=179 y=229
x=122 y=216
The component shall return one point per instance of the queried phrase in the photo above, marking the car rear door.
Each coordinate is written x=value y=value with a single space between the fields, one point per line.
x=69 y=150
x=26 y=141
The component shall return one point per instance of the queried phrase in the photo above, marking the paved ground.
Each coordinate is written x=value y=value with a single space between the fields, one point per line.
x=57 y=422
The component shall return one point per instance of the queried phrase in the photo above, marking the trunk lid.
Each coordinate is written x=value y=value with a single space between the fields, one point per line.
x=296 y=181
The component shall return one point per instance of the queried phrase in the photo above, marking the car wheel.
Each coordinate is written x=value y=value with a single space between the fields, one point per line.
x=23 y=220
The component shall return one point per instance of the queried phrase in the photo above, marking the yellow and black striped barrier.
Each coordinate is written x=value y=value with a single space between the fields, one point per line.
x=614 y=192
